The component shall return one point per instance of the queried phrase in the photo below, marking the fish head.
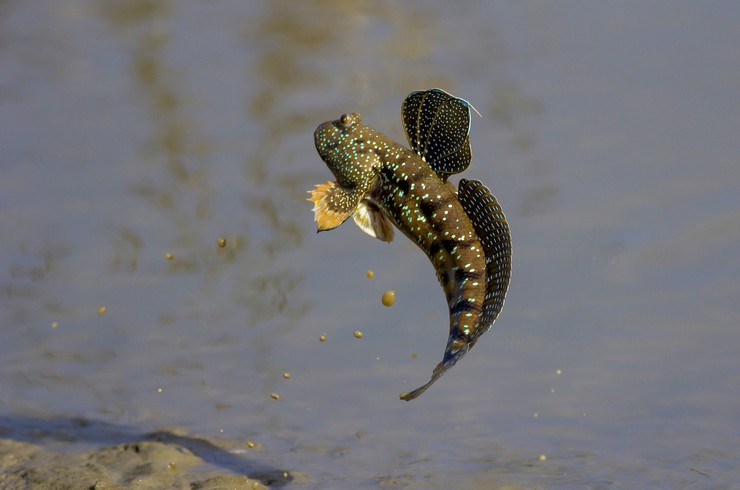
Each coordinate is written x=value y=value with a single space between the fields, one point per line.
x=349 y=149
x=346 y=146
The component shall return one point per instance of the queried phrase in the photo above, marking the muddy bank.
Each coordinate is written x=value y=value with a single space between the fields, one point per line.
x=59 y=455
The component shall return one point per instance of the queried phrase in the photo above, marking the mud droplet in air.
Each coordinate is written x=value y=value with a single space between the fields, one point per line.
x=389 y=298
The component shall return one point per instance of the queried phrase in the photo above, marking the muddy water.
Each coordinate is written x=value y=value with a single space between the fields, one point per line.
x=135 y=129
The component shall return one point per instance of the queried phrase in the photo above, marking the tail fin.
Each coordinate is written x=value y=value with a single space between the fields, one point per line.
x=436 y=374
x=492 y=229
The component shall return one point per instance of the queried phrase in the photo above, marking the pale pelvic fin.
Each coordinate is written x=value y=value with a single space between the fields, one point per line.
x=372 y=221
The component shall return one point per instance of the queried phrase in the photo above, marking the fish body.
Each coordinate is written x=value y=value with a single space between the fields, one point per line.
x=381 y=184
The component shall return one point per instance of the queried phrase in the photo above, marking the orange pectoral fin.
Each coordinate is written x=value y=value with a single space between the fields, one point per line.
x=332 y=205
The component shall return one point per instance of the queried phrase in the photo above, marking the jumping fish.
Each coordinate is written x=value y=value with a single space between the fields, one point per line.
x=464 y=232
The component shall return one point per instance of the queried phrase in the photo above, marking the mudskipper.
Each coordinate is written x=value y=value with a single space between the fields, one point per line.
x=463 y=231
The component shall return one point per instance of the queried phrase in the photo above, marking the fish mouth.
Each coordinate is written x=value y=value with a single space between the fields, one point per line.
x=323 y=127
x=325 y=138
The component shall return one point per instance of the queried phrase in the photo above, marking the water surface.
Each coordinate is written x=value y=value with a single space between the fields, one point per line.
x=134 y=129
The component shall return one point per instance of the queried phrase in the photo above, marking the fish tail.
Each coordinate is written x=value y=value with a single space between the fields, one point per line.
x=465 y=289
x=475 y=297
x=436 y=374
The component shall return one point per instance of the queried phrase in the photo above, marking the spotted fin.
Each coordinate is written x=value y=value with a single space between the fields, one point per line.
x=492 y=229
x=372 y=221
x=333 y=204
x=437 y=126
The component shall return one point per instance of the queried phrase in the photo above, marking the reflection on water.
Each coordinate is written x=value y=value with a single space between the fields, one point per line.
x=184 y=191
x=140 y=128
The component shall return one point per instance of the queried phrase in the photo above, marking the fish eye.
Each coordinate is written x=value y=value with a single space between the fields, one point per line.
x=346 y=120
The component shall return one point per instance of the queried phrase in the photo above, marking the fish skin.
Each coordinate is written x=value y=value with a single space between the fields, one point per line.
x=394 y=184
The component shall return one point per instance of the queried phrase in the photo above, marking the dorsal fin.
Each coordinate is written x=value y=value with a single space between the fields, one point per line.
x=437 y=126
x=492 y=229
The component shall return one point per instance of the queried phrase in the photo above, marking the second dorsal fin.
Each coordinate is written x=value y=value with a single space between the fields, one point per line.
x=492 y=229
x=437 y=126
